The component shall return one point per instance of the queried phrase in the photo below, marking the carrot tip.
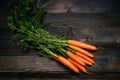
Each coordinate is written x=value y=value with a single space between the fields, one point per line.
x=97 y=49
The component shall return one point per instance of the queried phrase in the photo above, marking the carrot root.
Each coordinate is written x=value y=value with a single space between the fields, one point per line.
x=81 y=51
x=67 y=63
x=78 y=65
x=82 y=45
x=85 y=57
x=72 y=56
x=85 y=61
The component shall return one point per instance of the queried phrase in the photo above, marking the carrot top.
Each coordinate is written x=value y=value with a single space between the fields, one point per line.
x=27 y=23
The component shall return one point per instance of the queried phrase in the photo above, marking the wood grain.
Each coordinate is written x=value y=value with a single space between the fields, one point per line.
x=91 y=21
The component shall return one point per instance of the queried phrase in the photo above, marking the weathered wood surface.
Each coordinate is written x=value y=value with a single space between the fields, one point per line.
x=15 y=62
x=100 y=29
x=105 y=61
x=67 y=6
x=81 y=6
x=107 y=68
x=97 y=23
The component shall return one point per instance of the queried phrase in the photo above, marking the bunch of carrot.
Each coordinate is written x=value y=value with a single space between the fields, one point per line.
x=79 y=58
x=26 y=22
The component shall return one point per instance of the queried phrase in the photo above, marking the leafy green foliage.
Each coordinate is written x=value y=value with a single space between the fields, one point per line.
x=26 y=21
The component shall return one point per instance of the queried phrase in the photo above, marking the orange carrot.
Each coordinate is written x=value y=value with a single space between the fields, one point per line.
x=67 y=63
x=82 y=45
x=73 y=57
x=85 y=57
x=78 y=65
x=56 y=58
x=85 y=61
x=81 y=50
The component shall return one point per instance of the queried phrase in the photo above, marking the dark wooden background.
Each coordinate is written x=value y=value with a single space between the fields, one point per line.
x=91 y=21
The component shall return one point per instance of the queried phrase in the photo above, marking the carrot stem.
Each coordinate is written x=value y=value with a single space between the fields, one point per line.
x=48 y=51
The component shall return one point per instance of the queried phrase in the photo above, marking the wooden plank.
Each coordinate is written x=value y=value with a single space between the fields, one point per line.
x=80 y=6
x=94 y=6
x=107 y=61
x=80 y=17
x=47 y=79
x=28 y=64
x=103 y=31
x=68 y=6
x=108 y=67
x=101 y=27
x=70 y=77
x=76 y=6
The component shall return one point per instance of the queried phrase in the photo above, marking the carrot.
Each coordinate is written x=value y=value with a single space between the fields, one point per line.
x=81 y=50
x=73 y=57
x=56 y=58
x=85 y=57
x=82 y=45
x=78 y=65
x=67 y=63
x=85 y=61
